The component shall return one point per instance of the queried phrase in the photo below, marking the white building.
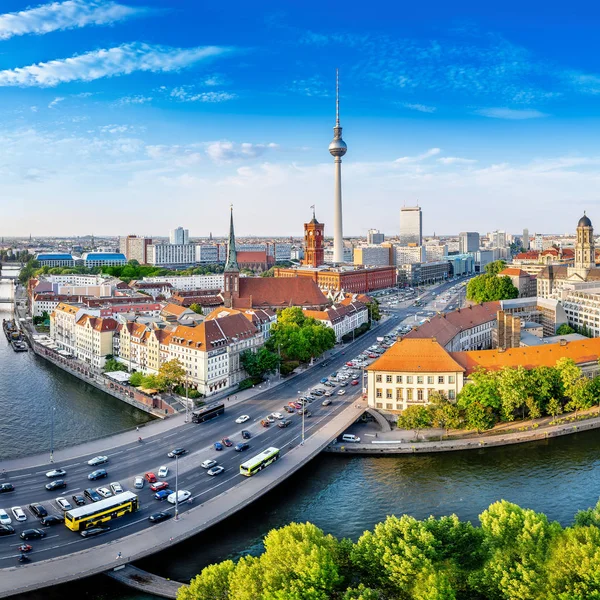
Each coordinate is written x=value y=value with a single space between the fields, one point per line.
x=211 y=254
x=179 y=236
x=343 y=318
x=190 y=282
x=176 y=255
x=468 y=241
x=103 y=259
x=372 y=255
x=435 y=252
x=411 y=226
x=374 y=236
x=409 y=255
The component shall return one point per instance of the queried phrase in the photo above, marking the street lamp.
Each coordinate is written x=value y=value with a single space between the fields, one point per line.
x=303 y=413
x=187 y=407
x=176 y=487
x=52 y=435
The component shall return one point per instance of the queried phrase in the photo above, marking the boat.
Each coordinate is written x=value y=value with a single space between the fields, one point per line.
x=19 y=346
x=14 y=336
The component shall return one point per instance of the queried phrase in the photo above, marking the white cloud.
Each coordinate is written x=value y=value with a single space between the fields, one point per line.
x=414 y=159
x=138 y=99
x=225 y=151
x=510 y=113
x=420 y=107
x=115 y=128
x=56 y=101
x=183 y=94
x=58 y=16
x=110 y=62
x=455 y=160
x=214 y=80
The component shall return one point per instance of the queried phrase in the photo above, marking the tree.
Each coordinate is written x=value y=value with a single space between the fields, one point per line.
x=479 y=417
x=483 y=390
x=570 y=374
x=545 y=383
x=581 y=395
x=113 y=365
x=260 y=363
x=136 y=379
x=565 y=329
x=153 y=382
x=171 y=373
x=414 y=417
x=513 y=385
x=373 y=308
x=495 y=267
x=589 y=517
x=212 y=582
x=554 y=407
x=196 y=308
x=443 y=413
x=489 y=287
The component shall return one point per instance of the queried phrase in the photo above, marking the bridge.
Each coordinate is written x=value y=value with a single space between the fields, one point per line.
x=64 y=556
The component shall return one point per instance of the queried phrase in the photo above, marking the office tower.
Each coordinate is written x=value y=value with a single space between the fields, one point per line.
x=468 y=241
x=179 y=236
x=525 y=242
x=337 y=149
x=374 y=236
x=411 y=226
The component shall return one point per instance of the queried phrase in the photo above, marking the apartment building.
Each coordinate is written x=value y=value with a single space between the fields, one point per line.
x=94 y=339
x=343 y=318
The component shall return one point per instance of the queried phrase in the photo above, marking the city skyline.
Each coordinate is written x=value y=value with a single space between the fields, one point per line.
x=118 y=107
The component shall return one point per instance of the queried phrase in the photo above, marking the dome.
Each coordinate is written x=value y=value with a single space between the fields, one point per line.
x=584 y=222
x=338 y=147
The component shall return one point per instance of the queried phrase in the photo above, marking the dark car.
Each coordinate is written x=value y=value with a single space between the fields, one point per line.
x=289 y=409
x=227 y=442
x=97 y=474
x=241 y=447
x=92 y=495
x=246 y=434
x=6 y=530
x=57 y=484
x=32 y=534
x=78 y=499
x=38 y=510
x=305 y=412
x=218 y=446
x=95 y=531
x=159 y=517
x=52 y=520
x=6 y=487
x=176 y=452
x=284 y=423
x=163 y=494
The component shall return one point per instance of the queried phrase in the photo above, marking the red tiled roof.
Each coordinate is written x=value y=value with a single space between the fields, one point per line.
x=248 y=256
x=280 y=292
x=513 y=272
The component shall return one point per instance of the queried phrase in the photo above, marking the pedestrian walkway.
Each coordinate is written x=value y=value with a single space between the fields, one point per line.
x=145 y=582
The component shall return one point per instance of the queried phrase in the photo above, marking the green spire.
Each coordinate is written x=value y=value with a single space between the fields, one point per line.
x=231 y=264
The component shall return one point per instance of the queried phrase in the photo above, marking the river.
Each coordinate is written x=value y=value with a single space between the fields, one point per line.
x=342 y=495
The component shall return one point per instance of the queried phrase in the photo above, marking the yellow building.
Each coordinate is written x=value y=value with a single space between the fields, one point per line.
x=62 y=326
x=94 y=339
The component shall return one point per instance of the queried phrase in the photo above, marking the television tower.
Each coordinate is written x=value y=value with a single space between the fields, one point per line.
x=337 y=149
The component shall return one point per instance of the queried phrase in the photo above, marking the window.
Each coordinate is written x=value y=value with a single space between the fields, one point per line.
x=378 y=405
x=451 y=395
x=389 y=406
x=399 y=394
x=388 y=379
x=430 y=379
x=378 y=378
x=450 y=378
x=409 y=379
x=419 y=378
x=399 y=407
x=420 y=394
x=440 y=379
x=398 y=378
x=409 y=394
x=378 y=393
x=388 y=394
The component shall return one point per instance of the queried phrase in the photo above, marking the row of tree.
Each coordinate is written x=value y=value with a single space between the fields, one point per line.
x=170 y=375
x=490 y=286
x=506 y=395
x=514 y=554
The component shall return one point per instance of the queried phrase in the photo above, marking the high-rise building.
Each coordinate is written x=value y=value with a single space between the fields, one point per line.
x=313 y=242
x=406 y=255
x=374 y=236
x=525 y=242
x=179 y=236
x=498 y=239
x=337 y=149
x=468 y=241
x=135 y=248
x=411 y=226
x=373 y=255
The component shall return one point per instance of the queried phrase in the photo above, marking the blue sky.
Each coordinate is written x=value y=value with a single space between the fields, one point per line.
x=134 y=116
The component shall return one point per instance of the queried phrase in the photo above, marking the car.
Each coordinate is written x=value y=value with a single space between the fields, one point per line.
x=138 y=483
x=328 y=394
x=218 y=446
x=4 y=518
x=297 y=405
x=292 y=404
x=32 y=534
x=355 y=382
x=207 y=464
x=97 y=474
x=246 y=434
x=92 y=495
x=159 y=485
x=242 y=419
x=162 y=495
x=78 y=499
x=176 y=452
x=159 y=517
x=150 y=477
x=163 y=472
x=18 y=514
x=341 y=392
x=270 y=419
x=57 y=484
x=182 y=496
x=344 y=384
x=52 y=520
x=265 y=423
x=318 y=392
x=6 y=487
x=284 y=423
x=227 y=442
x=38 y=510
x=56 y=473
x=326 y=402
x=289 y=409
x=305 y=412
x=215 y=470
x=324 y=380
x=94 y=531
x=277 y=415
x=97 y=460
x=116 y=488
x=63 y=503
x=6 y=530
x=241 y=446
x=104 y=492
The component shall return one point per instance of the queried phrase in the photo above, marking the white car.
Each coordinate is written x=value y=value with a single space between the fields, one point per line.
x=242 y=419
x=116 y=488
x=56 y=473
x=97 y=460
x=216 y=470
x=63 y=503
x=207 y=464
x=182 y=496
x=138 y=483
x=163 y=472
x=104 y=492
x=341 y=392
x=4 y=518
x=277 y=415
x=18 y=513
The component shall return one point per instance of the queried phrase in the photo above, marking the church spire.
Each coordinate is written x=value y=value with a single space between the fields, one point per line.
x=231 y=264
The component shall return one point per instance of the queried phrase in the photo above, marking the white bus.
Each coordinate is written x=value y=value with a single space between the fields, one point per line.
x=259 y=462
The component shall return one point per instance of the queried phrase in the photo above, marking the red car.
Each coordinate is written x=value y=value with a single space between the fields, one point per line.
x=292 y=404
x=348 y=364
x=227 y=442
x=372 y=355
x=150 y=477
x=354 y=382
x=159 y=485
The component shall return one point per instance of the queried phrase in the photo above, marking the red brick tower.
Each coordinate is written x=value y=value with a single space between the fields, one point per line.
x=313 y=242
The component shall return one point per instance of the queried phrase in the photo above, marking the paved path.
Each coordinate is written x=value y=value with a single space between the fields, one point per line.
x=145 y=582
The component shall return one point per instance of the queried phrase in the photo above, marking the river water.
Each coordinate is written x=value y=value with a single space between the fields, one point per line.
x=342 y=495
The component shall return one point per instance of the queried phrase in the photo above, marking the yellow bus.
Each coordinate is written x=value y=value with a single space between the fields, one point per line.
x=259 y=462
x=97 y=513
